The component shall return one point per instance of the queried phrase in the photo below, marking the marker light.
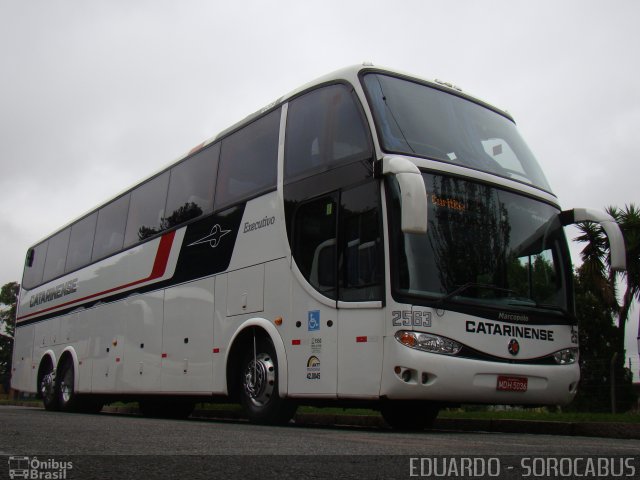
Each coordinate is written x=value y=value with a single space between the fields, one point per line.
x=407 y=338
x=566 y=356
x=428 y=342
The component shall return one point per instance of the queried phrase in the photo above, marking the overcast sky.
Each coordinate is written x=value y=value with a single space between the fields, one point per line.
x=95 y=95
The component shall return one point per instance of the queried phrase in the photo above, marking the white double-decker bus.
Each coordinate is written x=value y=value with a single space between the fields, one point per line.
x=369 y=239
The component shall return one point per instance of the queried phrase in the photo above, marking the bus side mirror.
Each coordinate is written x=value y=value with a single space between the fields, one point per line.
x=611 y=228
x=412 y=192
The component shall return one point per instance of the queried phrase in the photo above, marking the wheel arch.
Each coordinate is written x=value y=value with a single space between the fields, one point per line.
x=70 y=353
x=47 y=357
x=241 y=339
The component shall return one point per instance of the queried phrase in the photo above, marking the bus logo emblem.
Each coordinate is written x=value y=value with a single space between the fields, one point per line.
x=514 y=347
x=213 y=238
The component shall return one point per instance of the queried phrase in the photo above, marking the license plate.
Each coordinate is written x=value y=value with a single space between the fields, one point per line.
x=512 y=384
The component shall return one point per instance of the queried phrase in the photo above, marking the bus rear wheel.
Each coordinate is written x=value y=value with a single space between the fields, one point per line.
x=47 y=386
x=67 y=396
x=258 y=385
x=409 y=415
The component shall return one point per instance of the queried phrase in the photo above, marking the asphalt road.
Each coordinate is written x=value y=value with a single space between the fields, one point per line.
x=127 y=446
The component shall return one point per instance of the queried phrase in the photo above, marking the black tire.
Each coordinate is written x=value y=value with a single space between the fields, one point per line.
x=47 y=386
x=258 y=386
x=409 y=415
x=68 y=400
x=173 y=408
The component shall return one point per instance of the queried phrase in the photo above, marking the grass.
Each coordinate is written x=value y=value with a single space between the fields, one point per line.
x=541 y=415
x=476 y=413
x=486 y=413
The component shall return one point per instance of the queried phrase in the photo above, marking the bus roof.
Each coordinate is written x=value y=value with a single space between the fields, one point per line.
x=349 y=74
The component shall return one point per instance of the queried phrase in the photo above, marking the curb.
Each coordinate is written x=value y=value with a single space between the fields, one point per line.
x=629 y=431
x=590 y=429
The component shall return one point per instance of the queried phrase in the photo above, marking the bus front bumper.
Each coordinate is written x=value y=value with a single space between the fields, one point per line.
x=411 y=374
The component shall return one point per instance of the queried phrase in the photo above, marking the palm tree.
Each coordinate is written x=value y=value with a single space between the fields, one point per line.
x=596 y=261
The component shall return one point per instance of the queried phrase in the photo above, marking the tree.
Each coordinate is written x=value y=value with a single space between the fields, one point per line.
x=629 y=221
x=596 y=257
x=597 y=285
x=8 y=298
x=599 y=340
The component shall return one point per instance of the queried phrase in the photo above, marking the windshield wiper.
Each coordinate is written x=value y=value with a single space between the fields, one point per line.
x=392 y=114
x=469 y=285
x=510 y=295
x=530 y=302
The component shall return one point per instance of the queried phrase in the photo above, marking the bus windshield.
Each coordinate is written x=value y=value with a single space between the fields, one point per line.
x=483 y=245
x=415 y=119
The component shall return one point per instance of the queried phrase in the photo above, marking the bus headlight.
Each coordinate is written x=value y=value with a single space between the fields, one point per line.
x=428 y=342
x=566 y=356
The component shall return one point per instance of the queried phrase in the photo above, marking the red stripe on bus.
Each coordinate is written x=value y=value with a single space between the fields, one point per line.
x=158 y=270
x=162 y=256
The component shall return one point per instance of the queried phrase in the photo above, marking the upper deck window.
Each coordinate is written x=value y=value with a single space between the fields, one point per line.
x=81 y=242
x=146 y=210
x=112 y=220
x=248 y=161
x=56 y=255
x=415 y=119
x=325 y=127
x=34 y=266
x=191 y=187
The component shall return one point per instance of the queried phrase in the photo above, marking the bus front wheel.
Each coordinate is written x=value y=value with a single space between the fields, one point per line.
x=259 y=393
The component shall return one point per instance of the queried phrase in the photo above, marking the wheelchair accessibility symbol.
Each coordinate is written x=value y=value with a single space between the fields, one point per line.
x=314 y=320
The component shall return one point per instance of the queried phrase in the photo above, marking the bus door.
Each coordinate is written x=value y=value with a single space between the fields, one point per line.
x=312 y=360
x=360 y=291
x=337 y=248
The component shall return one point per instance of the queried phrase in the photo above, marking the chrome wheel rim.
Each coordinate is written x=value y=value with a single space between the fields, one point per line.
x=66 y=386
x=259 y=379
x=47 y=386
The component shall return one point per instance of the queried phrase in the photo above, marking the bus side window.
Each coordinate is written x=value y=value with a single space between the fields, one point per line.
x=361 y=251
x=191 y=187
x=34 y=267
x=146 y=210
x=56 y=255
x=112 y=219
x=325 y=128
x=315 y=243
x=81 y=242
x=248 y=161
